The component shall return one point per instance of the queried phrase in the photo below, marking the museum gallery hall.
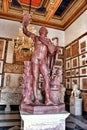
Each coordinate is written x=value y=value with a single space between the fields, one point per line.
x=43 y=65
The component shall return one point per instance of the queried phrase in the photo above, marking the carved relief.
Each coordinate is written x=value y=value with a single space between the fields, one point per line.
x=11 y=81
x=10 y=52
x=2 y=48
x=1 y=66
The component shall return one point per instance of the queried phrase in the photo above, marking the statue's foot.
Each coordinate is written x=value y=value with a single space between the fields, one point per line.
x=49 y=103
x=29 y=103
x=36 y=102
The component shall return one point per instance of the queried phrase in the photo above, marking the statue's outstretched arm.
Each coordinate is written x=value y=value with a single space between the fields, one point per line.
x=25 y=23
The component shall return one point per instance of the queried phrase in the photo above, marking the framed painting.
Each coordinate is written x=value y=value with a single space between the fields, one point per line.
x=83 y=45
x=74 y=62
x=68 y=64
x=83 y=83
x=83 y=59
x=68 y=52
x=12 y=80
x=10 y=52
x=83 y=71
x=75 y=72
x=68 y=73
x=74 y=49
x=2 y=48
x=75 y=81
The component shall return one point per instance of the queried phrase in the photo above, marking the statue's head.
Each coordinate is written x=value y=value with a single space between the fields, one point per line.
x=43 y=30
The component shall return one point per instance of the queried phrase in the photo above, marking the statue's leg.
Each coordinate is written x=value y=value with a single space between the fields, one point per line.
x=44 y=71
x=35 y=72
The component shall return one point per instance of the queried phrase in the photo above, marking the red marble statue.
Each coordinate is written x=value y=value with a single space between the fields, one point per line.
x=42 y=46
x=51 y=57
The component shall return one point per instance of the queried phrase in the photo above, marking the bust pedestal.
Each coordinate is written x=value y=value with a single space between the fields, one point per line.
x=43 y=121
x=76 y=106
x=10 y=98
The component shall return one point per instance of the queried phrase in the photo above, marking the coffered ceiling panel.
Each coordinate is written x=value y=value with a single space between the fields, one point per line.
x=57 y=14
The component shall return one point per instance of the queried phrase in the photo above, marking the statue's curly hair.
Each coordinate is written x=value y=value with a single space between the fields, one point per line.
x=41 y=29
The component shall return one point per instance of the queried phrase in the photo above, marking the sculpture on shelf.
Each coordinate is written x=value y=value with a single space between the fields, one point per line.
x=75 y=91
x=42 y=46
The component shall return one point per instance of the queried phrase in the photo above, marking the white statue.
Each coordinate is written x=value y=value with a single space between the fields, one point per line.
x=75 y=92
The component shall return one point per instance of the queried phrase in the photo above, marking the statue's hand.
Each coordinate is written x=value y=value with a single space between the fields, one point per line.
x=26 y=19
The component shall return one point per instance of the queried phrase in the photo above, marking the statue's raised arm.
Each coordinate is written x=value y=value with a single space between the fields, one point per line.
x=25 y=23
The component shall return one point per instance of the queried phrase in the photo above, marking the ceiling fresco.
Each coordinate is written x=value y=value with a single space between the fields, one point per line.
x=57 y=14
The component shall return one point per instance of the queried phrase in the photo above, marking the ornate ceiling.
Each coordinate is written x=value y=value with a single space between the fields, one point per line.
x=57 y=14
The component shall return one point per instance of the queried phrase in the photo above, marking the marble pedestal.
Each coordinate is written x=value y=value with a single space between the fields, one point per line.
x=43 y=121
x=10 y=98
x=42 y=109
x=76 y=106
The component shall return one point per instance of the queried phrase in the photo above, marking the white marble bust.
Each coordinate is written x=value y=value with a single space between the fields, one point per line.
x=75 y=91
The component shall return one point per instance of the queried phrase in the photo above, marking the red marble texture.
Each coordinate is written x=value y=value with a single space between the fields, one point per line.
x=42 y=109
x=55 y=87
x=27 y=83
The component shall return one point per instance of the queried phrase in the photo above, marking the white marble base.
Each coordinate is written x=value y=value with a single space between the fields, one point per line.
x=76 y=106
x=43 y=121
x=8 y=108
x=11 y=98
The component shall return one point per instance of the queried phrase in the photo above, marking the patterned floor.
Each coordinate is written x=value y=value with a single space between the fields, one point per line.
x=76 y=122
x=10 y=120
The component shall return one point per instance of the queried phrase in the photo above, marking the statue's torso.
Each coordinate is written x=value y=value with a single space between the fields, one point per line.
x=40 y=51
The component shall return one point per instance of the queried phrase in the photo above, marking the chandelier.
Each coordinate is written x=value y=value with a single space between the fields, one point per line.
x=23 y=42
